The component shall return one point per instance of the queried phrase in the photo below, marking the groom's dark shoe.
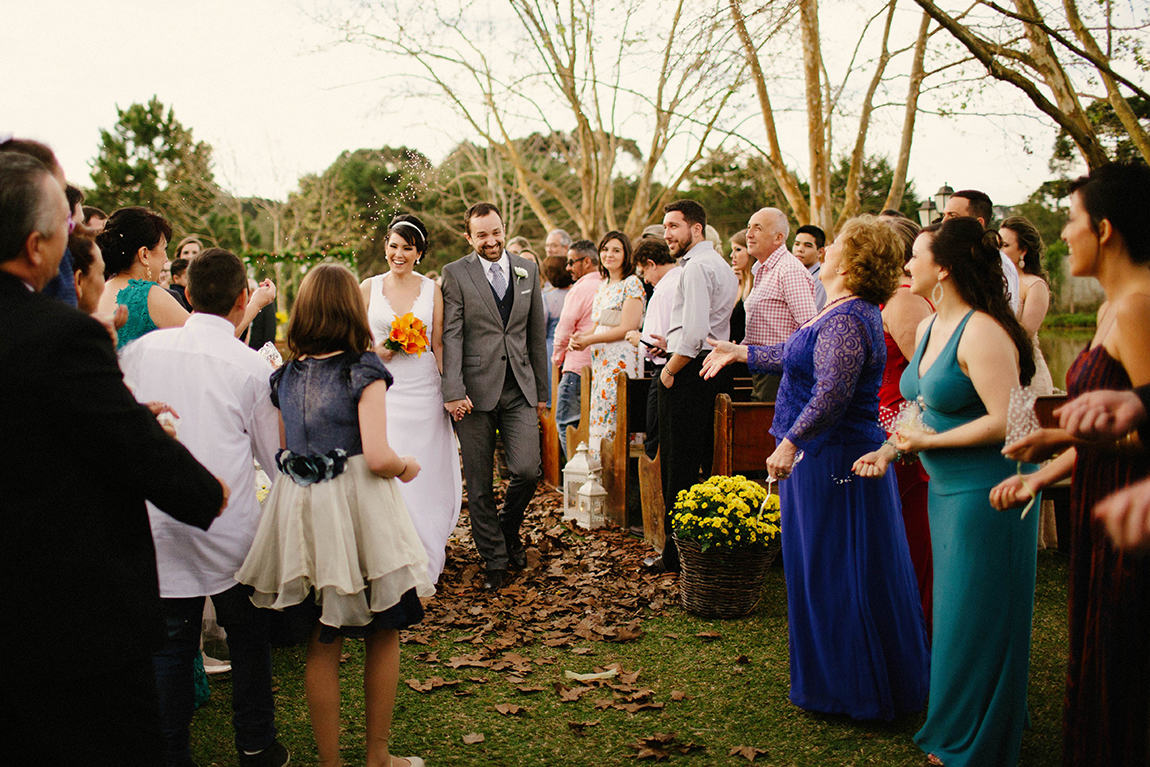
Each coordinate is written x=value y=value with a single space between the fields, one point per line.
x=517 y=561
x=494 y=580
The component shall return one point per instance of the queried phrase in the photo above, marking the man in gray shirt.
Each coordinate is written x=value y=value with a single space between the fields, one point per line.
x=701 y=307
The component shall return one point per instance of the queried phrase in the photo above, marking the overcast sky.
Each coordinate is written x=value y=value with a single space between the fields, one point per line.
x=262 y=83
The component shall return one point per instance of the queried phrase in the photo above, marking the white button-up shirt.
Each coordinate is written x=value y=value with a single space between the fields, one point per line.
x=703 y=301
x=658 y=317
x=219 y=388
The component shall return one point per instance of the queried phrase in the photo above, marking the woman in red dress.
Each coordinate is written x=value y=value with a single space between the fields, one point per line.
x=901 y=315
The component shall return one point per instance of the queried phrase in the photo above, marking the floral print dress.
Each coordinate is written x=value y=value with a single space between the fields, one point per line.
x=608 y=359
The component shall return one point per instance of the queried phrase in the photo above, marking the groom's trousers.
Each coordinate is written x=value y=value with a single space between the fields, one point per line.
x=496 y=531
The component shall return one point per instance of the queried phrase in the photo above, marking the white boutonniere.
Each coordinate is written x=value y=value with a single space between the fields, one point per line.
x=520 y=273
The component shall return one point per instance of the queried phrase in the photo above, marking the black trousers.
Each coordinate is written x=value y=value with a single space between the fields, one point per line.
x=687 y=436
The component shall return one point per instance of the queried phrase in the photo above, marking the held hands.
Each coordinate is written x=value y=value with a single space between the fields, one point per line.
x=723 y=354
x=167 y=424
x=1102 y=416
x=410 y=469
x=1038 y=446
x=781 y=461
x=578 y=342
x=1126 y=515
x=1011 y=492
x=264 y=294
x=458 y=408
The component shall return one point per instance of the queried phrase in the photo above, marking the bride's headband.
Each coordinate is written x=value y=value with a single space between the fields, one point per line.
x=422 y=239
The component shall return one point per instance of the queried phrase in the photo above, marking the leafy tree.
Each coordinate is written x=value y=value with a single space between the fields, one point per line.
x=874 y=180
x=149 y=158
x=1111 y=133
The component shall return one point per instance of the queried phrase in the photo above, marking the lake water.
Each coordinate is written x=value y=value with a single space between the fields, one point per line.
x=1060 y=347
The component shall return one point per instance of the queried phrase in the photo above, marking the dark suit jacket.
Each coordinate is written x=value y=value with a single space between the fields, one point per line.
x=78 y=457
x=477 y=346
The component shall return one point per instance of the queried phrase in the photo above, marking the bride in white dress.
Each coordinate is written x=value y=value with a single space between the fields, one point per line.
x=416 y=421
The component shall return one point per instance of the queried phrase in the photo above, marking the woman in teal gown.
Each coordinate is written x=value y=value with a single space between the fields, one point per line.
x=966 y=362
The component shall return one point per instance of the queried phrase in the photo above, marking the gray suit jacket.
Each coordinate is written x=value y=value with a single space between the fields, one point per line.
x=476 y=346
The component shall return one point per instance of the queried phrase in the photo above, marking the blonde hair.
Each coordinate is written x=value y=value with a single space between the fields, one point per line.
x=329 y=314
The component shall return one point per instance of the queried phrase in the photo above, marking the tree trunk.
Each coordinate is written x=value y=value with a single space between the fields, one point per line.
x=917 y=72
x=820 y=211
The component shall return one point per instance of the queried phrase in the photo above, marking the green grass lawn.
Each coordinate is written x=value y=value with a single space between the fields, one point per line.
x=716 y=693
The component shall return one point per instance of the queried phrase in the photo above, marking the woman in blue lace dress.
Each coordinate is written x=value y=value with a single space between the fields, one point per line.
x=858 y=642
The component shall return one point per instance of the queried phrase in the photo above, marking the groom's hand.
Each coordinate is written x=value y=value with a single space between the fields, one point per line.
x=458 y=408
x=542 y=409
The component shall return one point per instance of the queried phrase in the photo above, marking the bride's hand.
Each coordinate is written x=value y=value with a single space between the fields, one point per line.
x=384 y=353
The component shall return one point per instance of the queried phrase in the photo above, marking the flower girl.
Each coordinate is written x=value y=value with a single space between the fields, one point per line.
x=335 y=536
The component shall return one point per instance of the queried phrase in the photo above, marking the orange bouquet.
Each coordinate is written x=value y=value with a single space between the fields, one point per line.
x=408 y=335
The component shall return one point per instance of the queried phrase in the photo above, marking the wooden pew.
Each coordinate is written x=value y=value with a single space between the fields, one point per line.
x=615 y=453
x=549 y=437
x=651 y=496
x=581 y=431
x=743 y=441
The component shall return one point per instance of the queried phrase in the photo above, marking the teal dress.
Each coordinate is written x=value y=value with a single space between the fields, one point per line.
x=139 y=323
x=984 y=563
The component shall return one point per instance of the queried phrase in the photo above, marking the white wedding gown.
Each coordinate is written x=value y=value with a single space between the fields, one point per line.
x=418 y=425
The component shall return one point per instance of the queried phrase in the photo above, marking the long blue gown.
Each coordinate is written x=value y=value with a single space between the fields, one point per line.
x=984 y=563
x=858 y=642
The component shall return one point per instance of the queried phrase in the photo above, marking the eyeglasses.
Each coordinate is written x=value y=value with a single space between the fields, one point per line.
x=577 y=260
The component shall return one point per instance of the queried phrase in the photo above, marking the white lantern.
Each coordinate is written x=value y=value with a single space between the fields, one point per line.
x=592 y=502
x=575 y=473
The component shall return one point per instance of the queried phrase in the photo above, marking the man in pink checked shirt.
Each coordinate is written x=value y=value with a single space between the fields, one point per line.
x=583 y=264
x=783 y=296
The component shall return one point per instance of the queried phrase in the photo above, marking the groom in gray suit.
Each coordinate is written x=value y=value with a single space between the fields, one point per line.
x=495 y=377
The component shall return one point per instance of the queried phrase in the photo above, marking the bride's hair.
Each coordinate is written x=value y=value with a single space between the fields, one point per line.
x=411 y=230
x=329 y=314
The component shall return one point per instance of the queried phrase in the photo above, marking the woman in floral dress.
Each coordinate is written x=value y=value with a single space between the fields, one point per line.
x=618 y=308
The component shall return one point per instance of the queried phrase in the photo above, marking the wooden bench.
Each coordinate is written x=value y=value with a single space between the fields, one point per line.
x=743 y=441
x=615 y=453
x=549 y=437
x=581 y=431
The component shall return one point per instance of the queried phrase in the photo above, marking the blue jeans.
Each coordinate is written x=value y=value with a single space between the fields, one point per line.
x=567 y=408
x=253 y=707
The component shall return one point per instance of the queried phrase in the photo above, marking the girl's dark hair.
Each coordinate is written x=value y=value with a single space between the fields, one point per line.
x=628 y=254
x=1029 y=240
x=970 y=255
x=329 y=314
x=1118 y=193
x=411 y=230
x=83 y=250
x=75 y=197
x=557 y=274
x=128 y=230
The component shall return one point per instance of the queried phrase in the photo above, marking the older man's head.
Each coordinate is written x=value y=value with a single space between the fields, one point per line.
x=767 y=230
x=34 y=220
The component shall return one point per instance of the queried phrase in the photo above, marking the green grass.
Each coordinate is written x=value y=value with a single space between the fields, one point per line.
x=733 y=700
x=1080 y=320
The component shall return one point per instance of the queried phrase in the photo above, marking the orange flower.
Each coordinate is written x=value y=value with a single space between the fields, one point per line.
x=408 y=335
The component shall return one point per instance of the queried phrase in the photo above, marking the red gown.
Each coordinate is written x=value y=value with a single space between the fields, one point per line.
x=912 y=484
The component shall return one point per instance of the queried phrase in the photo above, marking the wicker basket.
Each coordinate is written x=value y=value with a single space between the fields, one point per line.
x=722 y=583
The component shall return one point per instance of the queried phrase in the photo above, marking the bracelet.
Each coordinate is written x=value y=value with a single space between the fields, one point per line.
x=898 y=454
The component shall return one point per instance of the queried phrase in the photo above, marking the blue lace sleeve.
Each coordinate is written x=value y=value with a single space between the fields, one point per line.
x=840 y=351
x=765 y=359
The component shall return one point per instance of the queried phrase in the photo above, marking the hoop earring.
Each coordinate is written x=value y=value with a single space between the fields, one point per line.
x=941 y=295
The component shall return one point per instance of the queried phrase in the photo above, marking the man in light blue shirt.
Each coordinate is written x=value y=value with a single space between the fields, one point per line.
x=701 y=307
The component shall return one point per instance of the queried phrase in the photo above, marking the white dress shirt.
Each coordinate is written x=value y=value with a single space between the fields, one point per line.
x=658 y=318
x=503 y=264
x=219 y=388
x=1010 y=271
x=703 y=301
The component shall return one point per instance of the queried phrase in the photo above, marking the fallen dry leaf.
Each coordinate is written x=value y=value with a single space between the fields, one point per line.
x=678 y=695
x=709 y=636
x=509 y=709
x=743 y=660
x=472 y=738
x=578 y=727
x=750 y=753
x=633 y=708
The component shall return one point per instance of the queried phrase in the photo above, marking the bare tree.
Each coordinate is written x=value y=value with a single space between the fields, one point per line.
x=1036 y=53
x=586 y=71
